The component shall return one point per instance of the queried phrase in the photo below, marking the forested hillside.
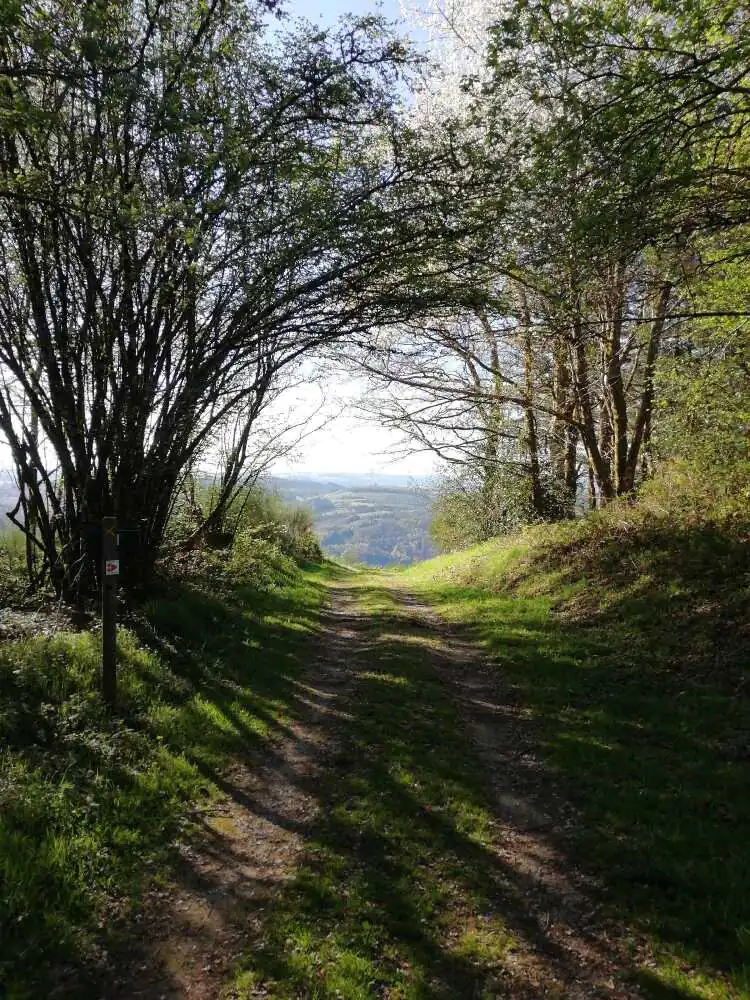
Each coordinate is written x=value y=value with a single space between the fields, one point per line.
x=368 y=520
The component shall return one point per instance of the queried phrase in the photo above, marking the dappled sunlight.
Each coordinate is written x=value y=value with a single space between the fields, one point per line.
x=386 y=811
x=634 y=690
x=384 y=678
x=427 y=641
x=111 y=797
x=419 y=880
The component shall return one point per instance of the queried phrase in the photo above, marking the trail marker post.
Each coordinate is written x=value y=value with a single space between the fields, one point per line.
x=110 y=578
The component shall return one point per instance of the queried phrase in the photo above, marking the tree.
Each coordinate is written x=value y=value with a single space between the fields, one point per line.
x=188 y=210
x=612 y=137
x=461 y=385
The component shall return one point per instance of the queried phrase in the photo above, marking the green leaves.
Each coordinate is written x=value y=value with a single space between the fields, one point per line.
x=188 y=209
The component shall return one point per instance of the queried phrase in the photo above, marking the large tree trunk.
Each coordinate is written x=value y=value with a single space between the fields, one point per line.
x=531 y=437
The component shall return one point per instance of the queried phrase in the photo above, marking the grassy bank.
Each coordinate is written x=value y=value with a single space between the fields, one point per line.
x=91 y=805
x=626 y=640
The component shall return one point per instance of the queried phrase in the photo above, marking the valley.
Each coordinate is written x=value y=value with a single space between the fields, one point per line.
x=376 y=521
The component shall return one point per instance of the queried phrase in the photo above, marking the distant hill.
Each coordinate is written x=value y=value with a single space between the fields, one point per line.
x=381 y=479
x=375 y=520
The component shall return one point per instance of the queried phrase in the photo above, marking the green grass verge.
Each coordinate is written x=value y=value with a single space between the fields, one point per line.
x=398 y=894
x=627 y=641
x=90 y=802
x=13 y=580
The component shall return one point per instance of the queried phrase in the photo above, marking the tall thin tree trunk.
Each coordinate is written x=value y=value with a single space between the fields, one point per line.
x=571 y=469
x=615 y=387
x=531 y=439
x=642 y=426
x=587 y=422
x=563 y=398
x=592 y=487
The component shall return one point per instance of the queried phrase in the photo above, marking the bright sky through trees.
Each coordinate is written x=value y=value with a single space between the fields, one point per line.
x=347 y=443
x=328 y=11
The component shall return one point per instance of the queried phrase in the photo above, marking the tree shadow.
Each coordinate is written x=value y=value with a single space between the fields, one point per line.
x=658 y=990
x=403 y=887
x=639 y=700
x=98 y=800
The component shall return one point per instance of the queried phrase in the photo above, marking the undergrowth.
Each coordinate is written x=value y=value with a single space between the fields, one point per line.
x=13 y=580
x=92 y=804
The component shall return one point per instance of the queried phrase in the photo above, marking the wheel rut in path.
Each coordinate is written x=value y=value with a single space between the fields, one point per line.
x=190 y=934
x=568 y=948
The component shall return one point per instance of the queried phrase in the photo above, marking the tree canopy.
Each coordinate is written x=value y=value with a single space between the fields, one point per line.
x=534 y=264
x=189 y=208
x=614 y=146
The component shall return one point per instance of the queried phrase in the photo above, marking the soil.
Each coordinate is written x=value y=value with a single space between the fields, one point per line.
x=190 y=933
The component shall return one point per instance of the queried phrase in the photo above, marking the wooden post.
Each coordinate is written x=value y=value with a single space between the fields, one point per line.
x=110 y=574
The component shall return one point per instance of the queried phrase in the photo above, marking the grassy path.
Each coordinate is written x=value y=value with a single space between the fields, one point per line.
x=245 y=846
x=431 y=869
x=626 y=660
x=375 y=820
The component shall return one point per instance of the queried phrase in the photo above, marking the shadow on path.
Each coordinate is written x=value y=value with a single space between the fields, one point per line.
x=426 y=874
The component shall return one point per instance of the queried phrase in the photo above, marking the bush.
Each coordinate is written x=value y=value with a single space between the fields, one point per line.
x=471 y=509
x=702 y=431
x=292 y=535
x=250 y=562
x=255 y=515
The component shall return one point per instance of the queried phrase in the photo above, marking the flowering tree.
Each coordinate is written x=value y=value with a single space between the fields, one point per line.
x=612 y=141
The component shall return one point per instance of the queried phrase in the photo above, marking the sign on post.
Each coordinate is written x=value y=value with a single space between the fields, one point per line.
x=110 y=574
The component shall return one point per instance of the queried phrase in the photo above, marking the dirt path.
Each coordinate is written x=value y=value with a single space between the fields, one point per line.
x=192 y=932
x=570 y=950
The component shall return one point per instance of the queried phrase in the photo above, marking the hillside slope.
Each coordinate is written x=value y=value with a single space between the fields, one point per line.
x=381 y=522
x=623 y=642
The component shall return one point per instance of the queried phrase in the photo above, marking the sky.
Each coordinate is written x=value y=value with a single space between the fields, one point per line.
x=328 y=12
x=346 y=443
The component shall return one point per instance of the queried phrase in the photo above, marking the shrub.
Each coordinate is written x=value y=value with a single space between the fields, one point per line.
x=255 y=514
x=470 y=508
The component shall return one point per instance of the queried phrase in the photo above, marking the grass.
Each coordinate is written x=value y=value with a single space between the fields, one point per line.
x=626 y=640
x=12 y=564
x=398 y=894
x=90 y=802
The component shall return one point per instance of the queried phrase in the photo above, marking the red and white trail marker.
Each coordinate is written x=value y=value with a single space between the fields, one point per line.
x=112 y=567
